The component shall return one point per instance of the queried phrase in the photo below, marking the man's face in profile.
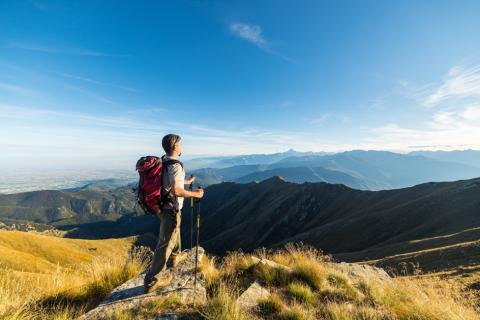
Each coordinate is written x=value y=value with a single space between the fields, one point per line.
x=178 y=148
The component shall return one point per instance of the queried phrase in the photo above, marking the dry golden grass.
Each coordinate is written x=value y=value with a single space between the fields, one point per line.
x=63 y=287
x=235 y=263
x=46 y=277
x=410 y=298
x=314 y=290
x=271 y=305
x=212 y=274
x=301 y=292
x=223 y=305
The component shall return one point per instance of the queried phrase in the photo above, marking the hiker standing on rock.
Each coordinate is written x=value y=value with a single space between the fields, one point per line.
x=169 y=245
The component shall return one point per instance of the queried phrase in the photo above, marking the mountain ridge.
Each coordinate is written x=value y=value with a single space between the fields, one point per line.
x=366 y=170
x=319 y=216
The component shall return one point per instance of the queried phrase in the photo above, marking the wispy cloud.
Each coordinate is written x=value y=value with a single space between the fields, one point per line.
x=129 y=136
x=147 y=110
x=250 y=33
x=449 y=129
x=17 y=89
x=62 y=50
x=90 y=94
x=460 y=82
x=321 y=119
x=89 y=80
x=454 y=123
x=253 y=33
x=73 y=118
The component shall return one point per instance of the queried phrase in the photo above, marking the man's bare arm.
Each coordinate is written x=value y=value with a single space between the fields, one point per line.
x=179 y=191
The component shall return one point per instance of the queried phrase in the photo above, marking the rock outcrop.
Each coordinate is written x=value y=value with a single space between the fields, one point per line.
x=354 y=271
x=250 y=297
x=131 y=295
x=270 y=263
x=358 y=271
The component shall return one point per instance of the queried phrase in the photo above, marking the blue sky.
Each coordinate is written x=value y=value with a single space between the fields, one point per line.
x=89 y=82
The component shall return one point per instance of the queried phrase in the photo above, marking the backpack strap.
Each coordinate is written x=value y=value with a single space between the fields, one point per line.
x=167 y=163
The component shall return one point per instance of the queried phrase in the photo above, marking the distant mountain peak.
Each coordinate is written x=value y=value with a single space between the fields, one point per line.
x=274 y=179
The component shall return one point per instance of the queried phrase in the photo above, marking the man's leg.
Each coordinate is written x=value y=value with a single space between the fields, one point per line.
x=166 y=240
x=178 y=244
x=177 y=254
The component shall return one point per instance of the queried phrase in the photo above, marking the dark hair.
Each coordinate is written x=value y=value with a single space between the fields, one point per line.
x=169 y=141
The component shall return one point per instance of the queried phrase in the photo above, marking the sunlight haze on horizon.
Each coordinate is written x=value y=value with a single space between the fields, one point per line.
x=83 y=82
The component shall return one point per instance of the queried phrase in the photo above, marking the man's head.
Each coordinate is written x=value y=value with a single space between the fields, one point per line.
x=171 y=143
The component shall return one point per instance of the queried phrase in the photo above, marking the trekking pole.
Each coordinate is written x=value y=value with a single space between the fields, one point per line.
x=198 y=238
x=191 y=215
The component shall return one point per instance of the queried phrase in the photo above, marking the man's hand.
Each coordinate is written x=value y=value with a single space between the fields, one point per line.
x=199 y=193
x=179 y=191
x=190 y=180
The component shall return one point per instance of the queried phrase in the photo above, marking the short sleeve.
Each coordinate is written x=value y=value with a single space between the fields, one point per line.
x=176 y=174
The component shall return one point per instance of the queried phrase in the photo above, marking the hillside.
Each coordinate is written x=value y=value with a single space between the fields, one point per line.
x=87 y=204
x=37 y=270
x=36 y=253
x=385 y=227
x=352 y=224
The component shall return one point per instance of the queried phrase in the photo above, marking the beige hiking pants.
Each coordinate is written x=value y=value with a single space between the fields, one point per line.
x=168 y=243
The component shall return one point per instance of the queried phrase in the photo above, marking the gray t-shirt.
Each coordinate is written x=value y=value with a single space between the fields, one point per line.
x=175 y=173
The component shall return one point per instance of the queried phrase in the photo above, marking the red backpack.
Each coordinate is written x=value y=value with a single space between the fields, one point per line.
x=151 y=195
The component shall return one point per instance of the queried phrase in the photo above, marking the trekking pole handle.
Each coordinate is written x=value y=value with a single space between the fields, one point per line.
x=198 y=199
x=191 y=184
x=191 y=189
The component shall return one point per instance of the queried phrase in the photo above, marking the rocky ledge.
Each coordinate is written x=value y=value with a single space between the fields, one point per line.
x=131 y=295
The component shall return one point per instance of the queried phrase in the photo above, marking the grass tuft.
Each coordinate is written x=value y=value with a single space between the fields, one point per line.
x=271 y=305
x=212 y=274
x=296 y=312
x=311 y=272
x=223 y=305
x=336 y=311
x=301 y=293
x=272 y=276
x=340 y=289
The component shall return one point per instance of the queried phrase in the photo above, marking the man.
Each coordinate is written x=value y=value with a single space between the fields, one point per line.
x=170 y=217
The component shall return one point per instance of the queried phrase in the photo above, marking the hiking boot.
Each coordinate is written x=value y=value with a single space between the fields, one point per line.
x=179 y=257
x=159 y=281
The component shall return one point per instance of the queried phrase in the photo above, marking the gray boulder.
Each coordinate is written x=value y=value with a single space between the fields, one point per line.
x=250 y=297
x=131 y=296
x=358 y=272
